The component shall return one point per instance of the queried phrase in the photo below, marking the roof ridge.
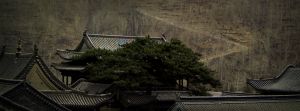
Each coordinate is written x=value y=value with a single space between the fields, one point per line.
x=14 y=82
x=27 y=53
x=61 y=66
x=27 y=67
x=233 y=102
x=10 y=80
x=285 y=70
x=75 y=92
x=89 y=42
x=263 y=97
x=121 y=36
x=278 y=76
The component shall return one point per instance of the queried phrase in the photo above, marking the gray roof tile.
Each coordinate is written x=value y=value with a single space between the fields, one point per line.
x=73 y=99
x=239 y=103
x=287 y=82
x=7 y=104
x=134 y=99
x=83 y=85
x=68 y=67
x=66 y=54
x=110 y=42
x=23 y=94
x=12 y=67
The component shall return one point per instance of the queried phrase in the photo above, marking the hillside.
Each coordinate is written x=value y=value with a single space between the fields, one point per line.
x=239 y=39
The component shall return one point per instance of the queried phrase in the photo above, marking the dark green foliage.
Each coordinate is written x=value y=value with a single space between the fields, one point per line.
x=146 y=63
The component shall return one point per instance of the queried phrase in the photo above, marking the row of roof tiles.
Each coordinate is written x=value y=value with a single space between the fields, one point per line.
x=70 y=98
x=239 y=103
x=287 y=82
x=22 y=94
x=101 y=41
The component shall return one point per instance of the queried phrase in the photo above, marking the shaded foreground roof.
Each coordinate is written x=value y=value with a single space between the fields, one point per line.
x=22 y=94
x=83 y=85
x=101 y=41
x=239 y=103
x=77 y=100
x=7 y=104
x=287 y=82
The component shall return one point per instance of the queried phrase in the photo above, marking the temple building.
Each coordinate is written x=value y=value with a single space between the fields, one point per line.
x=31 y=68
x=19 y=95
x=280 y=93
x=27 y=84
x=72 y=73
x=238 y=103
x=288 y=82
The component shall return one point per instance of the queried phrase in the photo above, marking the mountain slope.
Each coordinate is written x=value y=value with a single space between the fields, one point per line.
x=239 y=39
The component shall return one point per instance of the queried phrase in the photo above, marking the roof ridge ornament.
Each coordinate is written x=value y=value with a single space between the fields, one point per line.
x=147 y=36
x=35 y=50
x=19 y=47
x=3 y=50
x=85 y=32
x=164 y=36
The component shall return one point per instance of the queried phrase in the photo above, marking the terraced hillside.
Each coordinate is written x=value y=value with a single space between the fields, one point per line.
x=239 y=39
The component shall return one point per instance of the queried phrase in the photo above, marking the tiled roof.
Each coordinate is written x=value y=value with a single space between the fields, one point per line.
x=74 y=99
x=134 y=99
x=226 y=93
x=112 y=42
x=50 y=76
x=8 y=84
x=67 y=54
x=239 y=98
x=239 y=103
x=23 y=94
x=12 y=67
x=83 y=85
x=7 y=104
x=287 y=82
x=68 y=67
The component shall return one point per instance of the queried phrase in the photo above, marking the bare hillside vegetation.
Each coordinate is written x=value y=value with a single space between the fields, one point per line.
x=239 y=39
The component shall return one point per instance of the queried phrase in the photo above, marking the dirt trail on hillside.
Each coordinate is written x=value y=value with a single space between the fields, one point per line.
x=238 y=47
